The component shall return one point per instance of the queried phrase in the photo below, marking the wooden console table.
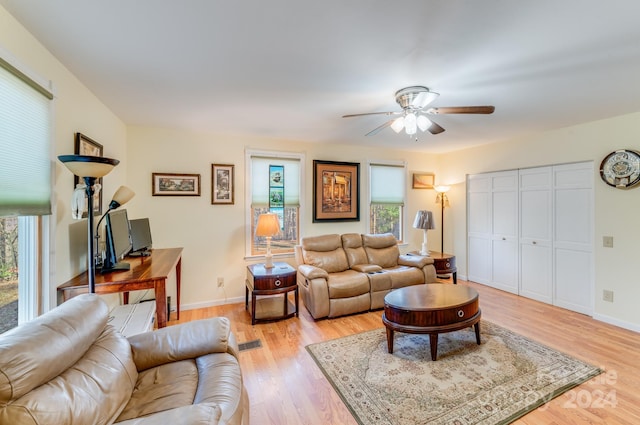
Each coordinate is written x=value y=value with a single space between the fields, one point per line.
x=146 y=273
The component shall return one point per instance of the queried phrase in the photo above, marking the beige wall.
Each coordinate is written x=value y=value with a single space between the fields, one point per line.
x=616 y=210
x=213 y=236
x=76 y=109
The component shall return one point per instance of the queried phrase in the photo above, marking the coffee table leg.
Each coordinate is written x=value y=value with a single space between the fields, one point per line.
x=477 y=328
x=390 y=340
x=433 y=341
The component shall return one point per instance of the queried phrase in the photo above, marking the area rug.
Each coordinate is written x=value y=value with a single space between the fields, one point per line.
x=496 y=382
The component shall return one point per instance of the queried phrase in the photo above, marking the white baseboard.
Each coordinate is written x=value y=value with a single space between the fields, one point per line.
x=205 y=304
x=616 y=322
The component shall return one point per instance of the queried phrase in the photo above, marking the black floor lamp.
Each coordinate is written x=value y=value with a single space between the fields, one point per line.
x=90 y=168
x=443 y=200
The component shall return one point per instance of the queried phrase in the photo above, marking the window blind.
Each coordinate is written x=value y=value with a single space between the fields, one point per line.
x=25 y=159
x=387 y=184
x=260 y=181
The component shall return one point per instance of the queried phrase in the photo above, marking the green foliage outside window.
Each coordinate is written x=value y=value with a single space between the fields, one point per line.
x=386 y=218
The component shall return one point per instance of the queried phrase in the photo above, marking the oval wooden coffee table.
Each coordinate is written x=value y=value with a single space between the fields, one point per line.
x=432 y=309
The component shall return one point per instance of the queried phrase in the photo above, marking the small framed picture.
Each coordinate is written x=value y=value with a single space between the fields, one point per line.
x=222 y=181
x=423 y=180
x=170 y=184
x=86 y=146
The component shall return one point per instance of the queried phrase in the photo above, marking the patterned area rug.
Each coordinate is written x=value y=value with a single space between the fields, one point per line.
x=496 y=382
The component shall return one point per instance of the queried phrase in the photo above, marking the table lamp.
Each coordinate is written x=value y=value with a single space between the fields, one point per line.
x=424 y=221
x=268 y=226
x=90 y=168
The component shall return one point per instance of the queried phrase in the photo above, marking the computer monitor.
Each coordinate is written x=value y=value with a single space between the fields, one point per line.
x=140 y=237
x=118 y=241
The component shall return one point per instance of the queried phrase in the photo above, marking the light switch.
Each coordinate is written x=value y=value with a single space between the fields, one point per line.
x=607 y=241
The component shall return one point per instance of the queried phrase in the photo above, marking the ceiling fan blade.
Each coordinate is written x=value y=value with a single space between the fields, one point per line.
x=371 y=113
x=435 y=128
x=379 y=128
x=462 y=110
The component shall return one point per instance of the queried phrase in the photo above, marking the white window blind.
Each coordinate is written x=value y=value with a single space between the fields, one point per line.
x=260 y=181
x=25 y=160
x=387 y=184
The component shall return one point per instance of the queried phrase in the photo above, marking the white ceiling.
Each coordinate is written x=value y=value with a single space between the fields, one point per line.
x=290 y=69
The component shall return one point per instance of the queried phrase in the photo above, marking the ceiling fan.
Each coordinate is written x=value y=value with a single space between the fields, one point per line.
x=413 y=116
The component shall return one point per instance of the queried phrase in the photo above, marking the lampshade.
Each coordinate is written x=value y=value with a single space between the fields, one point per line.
x=121 y=197
x=410 y=123
x=87 y=165
x=424 y=220
x=268 y=225
x=423 y=122
x=442 y=188
x=398 y=124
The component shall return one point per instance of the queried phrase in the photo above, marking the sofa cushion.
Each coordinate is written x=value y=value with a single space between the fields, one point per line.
x=349 y=283
x=94 y=390
x=195 y=414
x=325 y=252
x=381 y=249
x=67 y=332
x=352 y=244
x=161 y=388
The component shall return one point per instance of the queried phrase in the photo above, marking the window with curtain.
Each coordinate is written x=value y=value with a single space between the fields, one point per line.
x=25 y=192
x=274 y=186
x=387 y=194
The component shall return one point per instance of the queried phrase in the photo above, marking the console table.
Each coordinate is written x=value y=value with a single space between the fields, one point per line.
x=146 y=273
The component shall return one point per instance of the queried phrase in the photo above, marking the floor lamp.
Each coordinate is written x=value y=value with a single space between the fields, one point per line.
x=90 y=168
x=424 y=221
x=443 y=200
x=268 y=226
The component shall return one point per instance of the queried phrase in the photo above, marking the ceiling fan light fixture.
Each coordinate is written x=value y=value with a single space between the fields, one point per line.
x=398 y=124
x=410 y=125
x=423 y=122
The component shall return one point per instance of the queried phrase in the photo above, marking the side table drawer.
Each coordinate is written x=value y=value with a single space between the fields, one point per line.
x=274 y=282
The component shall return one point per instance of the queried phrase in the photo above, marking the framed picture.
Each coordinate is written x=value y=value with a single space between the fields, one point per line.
x=86 y=146
x=222 y=184
x=423 y=180
x=169 y=184
x=336 y=191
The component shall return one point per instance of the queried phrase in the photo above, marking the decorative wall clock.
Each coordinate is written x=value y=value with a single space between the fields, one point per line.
x=621 y=168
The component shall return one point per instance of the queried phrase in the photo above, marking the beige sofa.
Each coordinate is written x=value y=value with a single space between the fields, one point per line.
x=351 y=273
x=69 y=366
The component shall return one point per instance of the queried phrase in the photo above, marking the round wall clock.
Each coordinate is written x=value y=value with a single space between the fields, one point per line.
x=621 y=168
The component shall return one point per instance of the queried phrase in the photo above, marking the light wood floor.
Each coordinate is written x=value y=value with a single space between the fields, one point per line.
x=286 y=387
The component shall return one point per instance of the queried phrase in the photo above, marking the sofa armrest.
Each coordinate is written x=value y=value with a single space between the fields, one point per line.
x=204 y=413
x=413 y=260
x=184 y=341
x=366 y=268
x=312 y=272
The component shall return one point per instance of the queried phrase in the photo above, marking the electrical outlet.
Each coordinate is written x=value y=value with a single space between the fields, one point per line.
x=607 y=295
x=607 y=241
x=220 y=282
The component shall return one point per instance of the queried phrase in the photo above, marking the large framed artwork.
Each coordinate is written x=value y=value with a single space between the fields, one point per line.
x=222 y=184
x=170 y=184
x=336 y=191
x=87 y=146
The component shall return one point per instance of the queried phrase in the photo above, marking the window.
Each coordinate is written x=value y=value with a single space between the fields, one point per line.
x=25 y=192
x=275 y=182
x=387 y=193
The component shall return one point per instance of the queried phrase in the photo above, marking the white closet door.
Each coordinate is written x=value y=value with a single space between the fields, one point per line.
x=536 y=215
x=504 y=237
x=479 y=228
x=573 y=237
